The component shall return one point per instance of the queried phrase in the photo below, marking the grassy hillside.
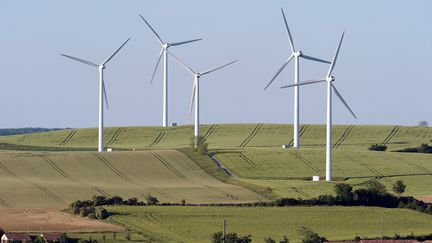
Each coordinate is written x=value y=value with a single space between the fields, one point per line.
x=196 y=224
x=229 y=136
x=56 y=179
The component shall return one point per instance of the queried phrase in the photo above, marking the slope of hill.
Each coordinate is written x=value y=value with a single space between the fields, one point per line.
x=55 y=180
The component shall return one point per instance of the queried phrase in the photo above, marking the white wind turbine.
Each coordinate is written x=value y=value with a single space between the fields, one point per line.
x=164 y=52
x=102 y=91
x=195 y=90
x=330 y=87
x=296 y=55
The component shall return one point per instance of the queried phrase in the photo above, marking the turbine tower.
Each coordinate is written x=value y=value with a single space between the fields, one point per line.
x=102 y=91
x=164 y=52
x=195 y=90
x=296 y=55
x=330 y=89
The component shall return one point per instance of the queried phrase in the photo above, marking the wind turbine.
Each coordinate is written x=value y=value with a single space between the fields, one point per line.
x=164 y=52
x=195 y=90
x=330 y=89
x=296 y=55
x=102 y=91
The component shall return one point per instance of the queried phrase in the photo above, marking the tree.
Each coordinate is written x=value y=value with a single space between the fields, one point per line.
x=378 y=147
x=64 y=238
x=284 y=240
x=376 y=187
x=424 y=148
x=399 y=187
x=230 y=238
x=309 y=236
x=101 y=213
x=151 y=200
x=39 y=239
x=269 y=240
x=343 y=192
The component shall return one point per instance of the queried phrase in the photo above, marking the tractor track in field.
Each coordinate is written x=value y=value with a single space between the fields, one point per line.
x=391 y=135
x=43 y=189
x=69 y=178
x=249 y=161
x=183 y=177
x=343 y=137
x=305 y=161
x=299 y=191
x=125 y=177
x=301 y=132
x=378 y=174
x=23 y=138
x=420 y=167
x=69 y=137
x=4 y=204
x=115 y=136
x=252 y=135
x=157 y=140
x=210 y=131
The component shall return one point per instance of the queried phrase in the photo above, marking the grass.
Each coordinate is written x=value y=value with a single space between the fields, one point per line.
x=196 y=224
x=56 y=179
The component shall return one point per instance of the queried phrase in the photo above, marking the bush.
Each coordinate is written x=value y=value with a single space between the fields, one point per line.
x=309 y=236
x=101 y=213
x=39 y=239
x=343 y=192
x=284 y=240
x=230 y=238
x=151 y=200
x=269 y=240
x=399 y=187
x=425 y=148
x=378 y=147
x=376 y=187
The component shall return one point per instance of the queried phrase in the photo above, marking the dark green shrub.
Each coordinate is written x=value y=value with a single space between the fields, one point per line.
x=101 y=213
x=399 y=187
x=308 y=236
x=151 y=200
x=376 y=187
x=343 y=192
x=378 y=147
x=284 y=240
x=269 y=240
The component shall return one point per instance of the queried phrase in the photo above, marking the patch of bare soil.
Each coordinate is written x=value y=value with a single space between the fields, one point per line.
x=425 y=198
x=49 y=220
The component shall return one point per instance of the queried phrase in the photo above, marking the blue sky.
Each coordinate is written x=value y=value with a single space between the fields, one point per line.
x=383 y=69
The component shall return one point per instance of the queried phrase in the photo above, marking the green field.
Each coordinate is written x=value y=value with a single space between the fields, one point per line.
x=56 y=179
x=196 y=224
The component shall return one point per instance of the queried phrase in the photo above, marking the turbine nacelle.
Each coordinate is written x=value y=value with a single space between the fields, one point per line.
x=101 y=67
x=165 y=46
x=330 y=79
x=297 y=54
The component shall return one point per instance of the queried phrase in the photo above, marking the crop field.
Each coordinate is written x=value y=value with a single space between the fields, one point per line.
x=222 y=136
x=196 y=224
x=55 y=179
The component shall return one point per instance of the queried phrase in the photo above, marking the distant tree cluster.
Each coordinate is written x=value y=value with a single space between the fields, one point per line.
x=423 y=148
x=378 y=147
x=423 y=123
x=25 y=130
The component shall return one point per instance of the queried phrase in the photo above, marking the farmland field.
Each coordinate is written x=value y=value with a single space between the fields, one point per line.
x=196 y=224
x=56 y=179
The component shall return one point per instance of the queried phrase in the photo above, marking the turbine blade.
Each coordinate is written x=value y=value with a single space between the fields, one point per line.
x=182 y=63
x=217 y=68
x=314 y=59
x=112 y=55
x=333 y=63
x=157 y=64
x=183 y=42
x=154 y=31
x=105 y=94
x=81 y=60
x=279 y=71
x=192 y=99
x=304 y=83
x=288 y=31
x=343 y=101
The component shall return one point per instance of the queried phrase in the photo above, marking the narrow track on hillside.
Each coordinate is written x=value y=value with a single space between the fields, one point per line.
x=391 y=135
x=210 y=131
x=69 y=137
x=183 y=177
x=115 y=137
x=124 y=177
x=157 y=140
x=301 y=132
x=252 y=135
x=23 y=138
x=343 y=137
x=249 y=161
x=420 y=167
x=299 y=191
x=69 y=178
x=378 y=174
x=40 y=187
x=305 y=161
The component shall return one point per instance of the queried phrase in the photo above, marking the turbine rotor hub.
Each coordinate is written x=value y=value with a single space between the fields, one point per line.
x=165 y=46
x=101 y=67
x=330 y=79
x=298 y=54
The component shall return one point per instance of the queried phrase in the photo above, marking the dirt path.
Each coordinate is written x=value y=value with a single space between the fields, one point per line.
x=49 y=220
